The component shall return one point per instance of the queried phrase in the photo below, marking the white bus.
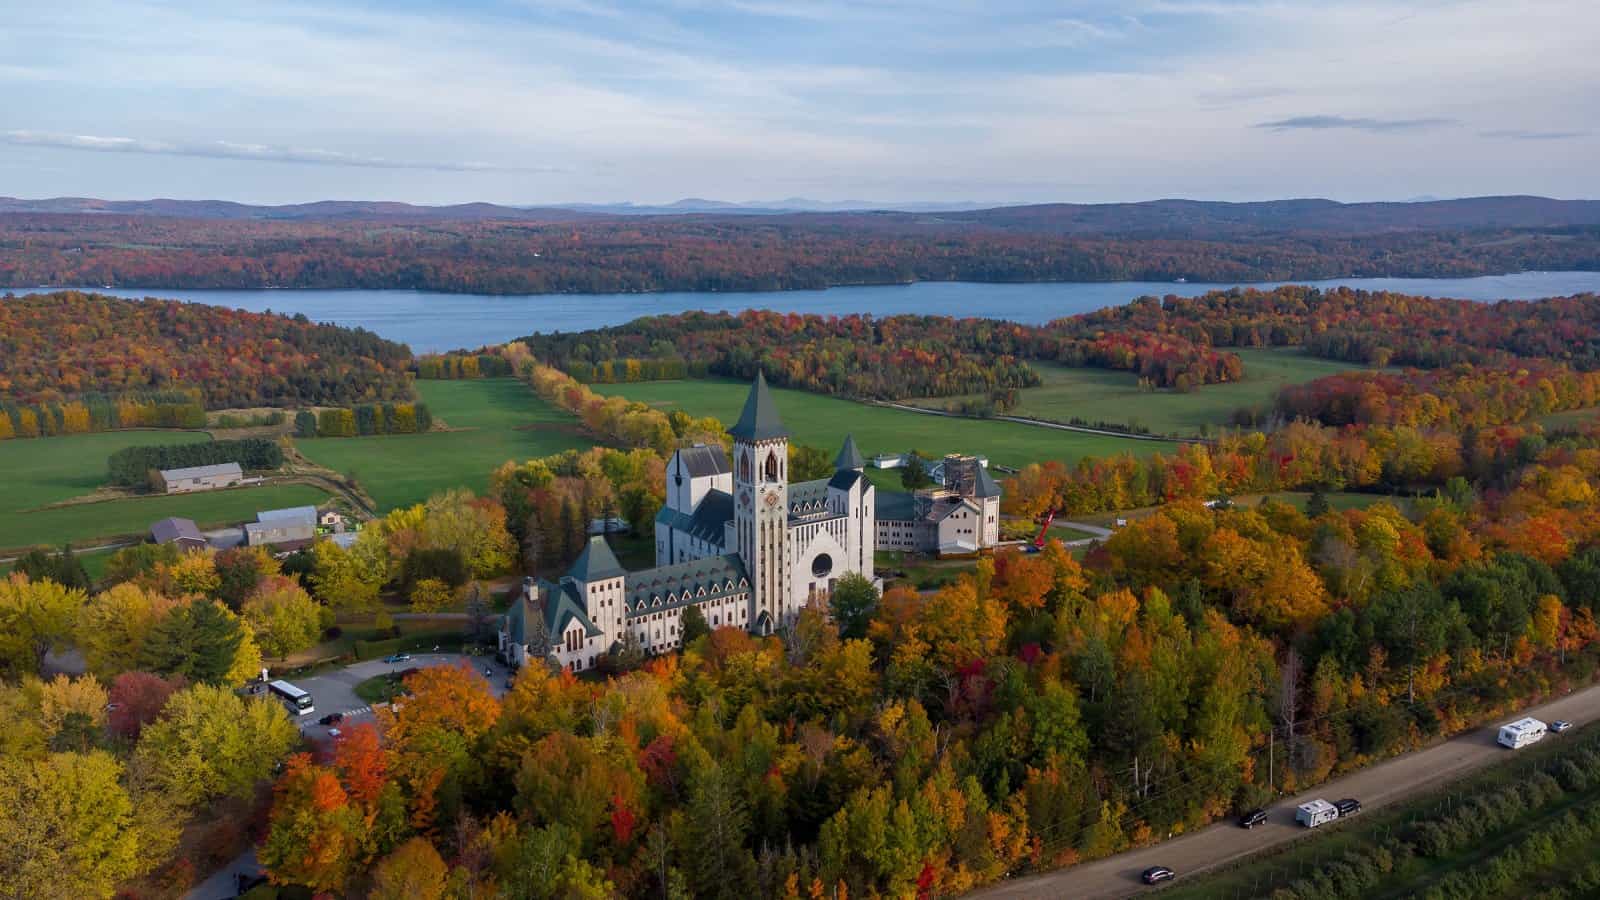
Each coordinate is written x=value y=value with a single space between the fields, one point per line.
x=297 y=701
x=1521 y=733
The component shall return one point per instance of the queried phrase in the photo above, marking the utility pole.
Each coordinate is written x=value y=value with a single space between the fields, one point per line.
x=1272 y=745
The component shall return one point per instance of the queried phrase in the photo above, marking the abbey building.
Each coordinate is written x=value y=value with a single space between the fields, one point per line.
x=748 y=547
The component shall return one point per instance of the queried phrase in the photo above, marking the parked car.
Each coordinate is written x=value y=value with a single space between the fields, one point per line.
x=1253 y=818
x=1349 y=806
x=331 y=719
x=397 y=658
x=1157 y=874
x=335 y=733
x=1560 y=725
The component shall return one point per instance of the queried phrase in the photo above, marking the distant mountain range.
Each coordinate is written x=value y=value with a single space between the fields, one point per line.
x=1155 y=218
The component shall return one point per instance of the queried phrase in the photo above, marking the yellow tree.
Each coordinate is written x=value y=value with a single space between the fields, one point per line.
x=35 y=618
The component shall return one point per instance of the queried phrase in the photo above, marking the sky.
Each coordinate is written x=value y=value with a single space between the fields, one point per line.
x=993 y=101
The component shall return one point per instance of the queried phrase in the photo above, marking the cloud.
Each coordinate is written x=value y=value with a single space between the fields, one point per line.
x=1518 y=134
x=1296 y=123
x=231 y=150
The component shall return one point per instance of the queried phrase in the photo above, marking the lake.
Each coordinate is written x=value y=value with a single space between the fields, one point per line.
x=434 y=321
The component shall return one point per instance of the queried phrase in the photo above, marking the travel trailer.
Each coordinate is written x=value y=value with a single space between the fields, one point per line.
x=1317 y=812
x=1521 y=733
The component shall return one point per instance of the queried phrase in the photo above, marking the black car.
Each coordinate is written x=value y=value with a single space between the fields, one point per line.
x=1157 y=874
x=1253 y=818
x=1349 y=806
x=331 y=719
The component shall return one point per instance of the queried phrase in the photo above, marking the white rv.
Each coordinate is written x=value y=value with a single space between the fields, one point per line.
x=1521 y=733
x=1317 y=812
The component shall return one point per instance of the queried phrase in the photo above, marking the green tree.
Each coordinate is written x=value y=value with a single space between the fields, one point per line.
x=716 y=823
x=35 y=618
x=69 y=828
x=344 y=579
x=693 y=624
x=914 y=474
x=210 y=742
x=202 y=641
x=64 y=567
x=853 y=603
x=305 y=424
x=1317 y=504
x=283 y=616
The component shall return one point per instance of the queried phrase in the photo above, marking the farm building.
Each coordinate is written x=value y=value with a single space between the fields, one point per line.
x=182 y=532
x=201 y=478
x=282 y=526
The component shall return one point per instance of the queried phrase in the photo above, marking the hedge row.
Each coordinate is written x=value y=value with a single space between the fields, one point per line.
x=131 y=466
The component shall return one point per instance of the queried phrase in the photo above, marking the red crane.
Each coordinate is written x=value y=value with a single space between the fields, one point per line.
x=1049 y=516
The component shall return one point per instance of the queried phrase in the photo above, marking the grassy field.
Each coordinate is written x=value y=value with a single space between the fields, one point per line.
x=89 y=522
x=1571 y=418
x=823 y=421
x=496 y=419
x=1101 y=395
x=43 y=471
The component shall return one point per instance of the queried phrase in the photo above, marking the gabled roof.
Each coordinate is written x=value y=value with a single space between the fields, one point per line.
x=845 y=479
x=168 y=530
x=849 y=457
x=699 y=461
x=563 y=606
x=666 y=587
x=305 y=515
x=230 y=468
x=596 y=562
x=986 y=484
x=708 y=520
x=759 y=421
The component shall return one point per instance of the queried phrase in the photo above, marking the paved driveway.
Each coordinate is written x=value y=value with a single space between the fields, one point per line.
x=335 y=691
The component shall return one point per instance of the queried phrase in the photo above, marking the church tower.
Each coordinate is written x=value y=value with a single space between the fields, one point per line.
x=761 y=507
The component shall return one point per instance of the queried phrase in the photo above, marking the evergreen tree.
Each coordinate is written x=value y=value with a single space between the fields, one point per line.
x=1317 y=504
x=716 y=861
x=305 y=424
x=914 y=474
x=198 y=641
x=694 y=624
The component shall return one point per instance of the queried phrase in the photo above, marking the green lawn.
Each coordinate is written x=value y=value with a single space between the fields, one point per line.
x=823 y=421
x=1571 y=418
x=1102 y=395
x=500 y=419
x=42 y=471
x=86 y=523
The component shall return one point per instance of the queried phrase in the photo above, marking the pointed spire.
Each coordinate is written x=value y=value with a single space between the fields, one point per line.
x=596 y=563
x=986 y=485
x=849 y=457
x=759 y=421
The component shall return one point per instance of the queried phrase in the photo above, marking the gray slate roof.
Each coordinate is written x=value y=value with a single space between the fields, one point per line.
x=808 y=497
x=708 y=519
x=700 y=461
x=231 y=468
x=986 y=484
x=563 y=604
x=849 y=457
x=895 y=505
x=306 y=515
x=845 y=479
x=596 y=562
x=760 y=420
x=168 y=530
x=695 y=581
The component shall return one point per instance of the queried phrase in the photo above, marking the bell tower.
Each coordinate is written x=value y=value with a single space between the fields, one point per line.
x=761 y=507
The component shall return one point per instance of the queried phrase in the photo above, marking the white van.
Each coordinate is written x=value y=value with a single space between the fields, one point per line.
x=1317 y=812
x=1521 y=733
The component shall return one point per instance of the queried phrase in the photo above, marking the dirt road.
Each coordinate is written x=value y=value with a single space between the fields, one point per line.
x=1384 y=783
